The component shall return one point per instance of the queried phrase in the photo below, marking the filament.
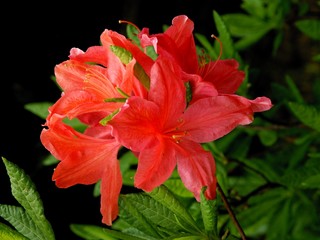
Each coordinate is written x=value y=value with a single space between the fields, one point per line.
x=124 y=21
x=221 y=47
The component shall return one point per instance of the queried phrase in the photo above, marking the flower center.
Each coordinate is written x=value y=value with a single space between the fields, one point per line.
x=177 y=136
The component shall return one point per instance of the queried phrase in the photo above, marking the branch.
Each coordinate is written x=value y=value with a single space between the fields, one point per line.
x=231 y=213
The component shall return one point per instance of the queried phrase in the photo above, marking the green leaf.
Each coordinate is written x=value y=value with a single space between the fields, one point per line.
x=24 y=191
x=151 y=217
x=176 y=185
x=49 y=160
x=135 y=208
x=254 y=7
x=21 y=221
x=243 y=25
x=280 y=223
x=310 y=27
x=128 y=162
x=90 y=232
x=311 y=182
x=295 y=177
x=40 y=109
x=259 y=211
x=260 y=166
x=167 y=199
x=268 y=137
x=224 y=36
x=316 y=58
x=307 y=114
x=209 y=213
x=278 y=39
x=75 y=124
x=248 y=28
x=208 y=46
x=294 y=90
x=7 y=233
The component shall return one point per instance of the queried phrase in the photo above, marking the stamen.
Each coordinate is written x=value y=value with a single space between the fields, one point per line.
x=124 y=21
x=221 y=47
x=177 y=137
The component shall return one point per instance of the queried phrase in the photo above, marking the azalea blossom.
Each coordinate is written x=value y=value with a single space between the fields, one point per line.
x=89 y=93
x=162 y=109
x=167 y=133
x=207 y=78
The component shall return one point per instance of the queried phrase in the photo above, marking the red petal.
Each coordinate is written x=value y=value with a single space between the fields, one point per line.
x=156 y=164
x=261 y=104
x=77 y=103
x=137 y=123
x=196 y=168
x=109 y=37
x=167 y=90
x=83 y=158
x=210 y=118
x=72 y=75
x=111 y=184
x=224 y=75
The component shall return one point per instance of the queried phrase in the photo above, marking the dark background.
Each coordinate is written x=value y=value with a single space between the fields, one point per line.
x=36 y=37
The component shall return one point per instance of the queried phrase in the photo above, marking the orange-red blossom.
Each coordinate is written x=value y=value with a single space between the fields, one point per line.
x=184 y=104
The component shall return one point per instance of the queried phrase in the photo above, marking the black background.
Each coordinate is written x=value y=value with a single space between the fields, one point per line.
x=36 y=37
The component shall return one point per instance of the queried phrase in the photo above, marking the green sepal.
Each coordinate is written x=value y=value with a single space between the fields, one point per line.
x=188 y=92
x=115 y=100
x=141 y=75
x=124 y=55
x=105 y=120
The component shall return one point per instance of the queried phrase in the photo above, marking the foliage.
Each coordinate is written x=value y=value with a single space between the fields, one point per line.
x=269 y=171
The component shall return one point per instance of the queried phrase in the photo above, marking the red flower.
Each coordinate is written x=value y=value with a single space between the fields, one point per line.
x=85 y=160
x=206 y=78
x=91 y=156
x=166 y=133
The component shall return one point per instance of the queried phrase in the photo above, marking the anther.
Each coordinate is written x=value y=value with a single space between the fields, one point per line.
x=124 y=21
x=221 y=47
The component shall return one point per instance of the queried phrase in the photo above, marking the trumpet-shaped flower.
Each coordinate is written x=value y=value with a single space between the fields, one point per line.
x=167 y=133
x=90 y=93
x=207 y=78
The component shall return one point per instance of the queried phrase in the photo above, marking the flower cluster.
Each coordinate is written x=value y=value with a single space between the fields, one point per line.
x=161 y=108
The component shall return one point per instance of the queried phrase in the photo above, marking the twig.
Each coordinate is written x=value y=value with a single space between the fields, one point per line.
x=231 y=213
